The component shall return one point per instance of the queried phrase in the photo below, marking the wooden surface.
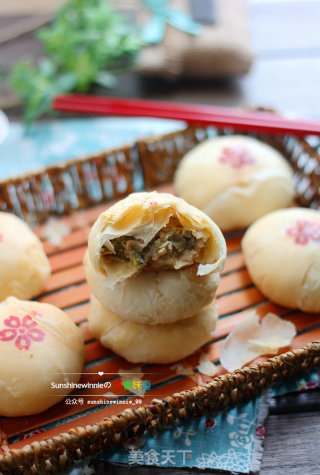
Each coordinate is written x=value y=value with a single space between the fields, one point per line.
x=294 y=427
x=286 y=76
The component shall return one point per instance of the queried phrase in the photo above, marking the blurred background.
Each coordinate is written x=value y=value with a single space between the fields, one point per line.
x=246 y=53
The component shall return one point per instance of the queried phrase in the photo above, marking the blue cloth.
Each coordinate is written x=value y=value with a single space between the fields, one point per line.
x=56 y=141
x=303 y=382
x=230 y=441
x=153 y=32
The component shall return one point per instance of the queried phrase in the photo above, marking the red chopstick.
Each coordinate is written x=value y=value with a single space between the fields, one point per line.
x=249 y=121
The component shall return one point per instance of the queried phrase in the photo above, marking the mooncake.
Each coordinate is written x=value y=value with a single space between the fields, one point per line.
x=235 y=180
x=24 y=267
x=282 y=254
x=156 y=296
x=40 y=348
x=154 y=232
x=140 y=343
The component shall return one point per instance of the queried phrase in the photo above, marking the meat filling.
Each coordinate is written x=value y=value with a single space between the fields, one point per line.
x=168 y=245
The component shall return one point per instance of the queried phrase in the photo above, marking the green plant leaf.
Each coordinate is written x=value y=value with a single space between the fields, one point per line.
x=86 y=43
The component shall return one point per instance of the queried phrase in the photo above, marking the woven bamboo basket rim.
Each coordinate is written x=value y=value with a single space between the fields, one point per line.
x=56 y=453
x=51 y=455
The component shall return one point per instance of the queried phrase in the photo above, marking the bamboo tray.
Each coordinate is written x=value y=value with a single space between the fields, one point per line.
x=52 y=440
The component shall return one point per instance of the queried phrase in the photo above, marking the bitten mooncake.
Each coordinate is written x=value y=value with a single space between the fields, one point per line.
x=154 y=232
x=39 y=345
x=24 y=267
x=155 y=297
x=141 y=343
x=282 y=254
x=235 y=180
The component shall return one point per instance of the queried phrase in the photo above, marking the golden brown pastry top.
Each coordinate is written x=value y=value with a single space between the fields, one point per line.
x=154 y=231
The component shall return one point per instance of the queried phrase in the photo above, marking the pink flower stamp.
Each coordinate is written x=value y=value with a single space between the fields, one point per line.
x=304 y=231
x=210 y=423
x=261 y=432
x=310 y=385
x=236 y=157
x=22 y=330
x=1 y=237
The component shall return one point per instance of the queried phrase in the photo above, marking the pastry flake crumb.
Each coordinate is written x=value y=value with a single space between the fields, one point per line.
x=206 y=366
x=131 y=374
x=55 y=230
x=251 y=338
x=111 y=395
x=182 y=370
